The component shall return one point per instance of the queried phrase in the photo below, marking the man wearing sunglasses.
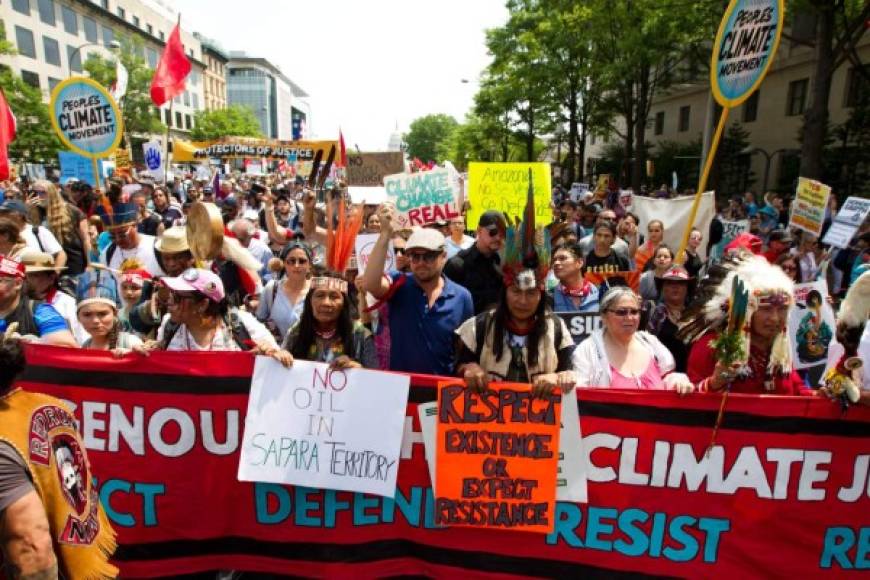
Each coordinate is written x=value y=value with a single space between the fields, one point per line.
x=477 y=267
x=425 y=306
x=127 y=242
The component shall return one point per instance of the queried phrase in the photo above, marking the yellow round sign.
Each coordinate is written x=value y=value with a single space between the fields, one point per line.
x=745 y=45
x=86 y=117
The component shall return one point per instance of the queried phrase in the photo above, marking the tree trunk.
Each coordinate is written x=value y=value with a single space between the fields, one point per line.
x=639 y=166
x=530 y=136
x=816 y=117
x=572 y=133
x=581 y=152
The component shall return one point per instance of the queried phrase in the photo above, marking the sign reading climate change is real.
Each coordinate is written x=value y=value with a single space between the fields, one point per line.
x=86 y=117
x=745 y=44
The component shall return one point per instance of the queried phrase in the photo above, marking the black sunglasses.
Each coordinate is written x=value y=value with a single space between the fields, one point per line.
x=427 y=257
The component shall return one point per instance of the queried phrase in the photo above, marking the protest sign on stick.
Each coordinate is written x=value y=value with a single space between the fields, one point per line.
x=423 y=198
x=505 y=187
x=370 y=169
x=364 y=245
x=847 y=222
x=320 y=427
x=497 y=457
x=808 y=207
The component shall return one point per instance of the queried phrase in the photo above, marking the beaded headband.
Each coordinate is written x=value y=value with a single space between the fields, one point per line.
x=329 y=283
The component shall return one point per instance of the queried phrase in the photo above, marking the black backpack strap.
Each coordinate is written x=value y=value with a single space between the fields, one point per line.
x=557 y=331
x=168 y=333
x=240 y=332
x=110 y=251
x=38 y=239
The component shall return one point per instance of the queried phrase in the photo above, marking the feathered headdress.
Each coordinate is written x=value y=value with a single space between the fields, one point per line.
x=340 y=240
x=115 y=207
x=527 y=249
x=765 y=284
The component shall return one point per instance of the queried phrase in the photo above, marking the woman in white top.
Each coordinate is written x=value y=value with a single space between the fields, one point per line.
x=620 y=356
x=200 y=319
x=283 y=299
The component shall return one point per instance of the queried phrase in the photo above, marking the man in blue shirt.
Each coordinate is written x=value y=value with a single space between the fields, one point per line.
x=425 y=307
x=40 y=320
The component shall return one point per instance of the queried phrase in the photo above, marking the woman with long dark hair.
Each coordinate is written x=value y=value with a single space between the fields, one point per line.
x=282 y=300
x=67 y=222
x=326 y=331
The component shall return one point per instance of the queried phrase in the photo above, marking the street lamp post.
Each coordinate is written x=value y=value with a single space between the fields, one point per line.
x=114 y=45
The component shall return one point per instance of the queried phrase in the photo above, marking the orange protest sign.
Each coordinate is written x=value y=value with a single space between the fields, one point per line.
x=630 y=279
x=497 y=457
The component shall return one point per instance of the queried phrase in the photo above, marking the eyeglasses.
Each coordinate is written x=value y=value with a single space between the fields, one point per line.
x=494 y=231
x=789 y=268
x=399 y=251
x=121 y=232
x=562 y=258
x=296 y=261
x=427 y=257
x=623 y=312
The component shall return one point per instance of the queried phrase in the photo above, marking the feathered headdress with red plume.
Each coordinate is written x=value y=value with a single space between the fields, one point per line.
x=340 y=239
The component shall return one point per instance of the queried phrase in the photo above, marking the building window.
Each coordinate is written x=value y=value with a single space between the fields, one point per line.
x=24 y=40
x=186 y=99
x=46 y=11
x=195 y=98
x=150 y=29
x=122 y=14
x=797 y=97
x=152 y=57
x=108 y=35
x=90 y=26
x=178 y=120
x=162 y=36
x=136 y=21
x=70 y=20
x=660 y=123
x=167 y=116
x=22 y=6
x=592 y=139
x=857 y=86
x=74 y=58
x=685 y=114
x=750 y=107
x=187 y=124
x=52 y=51
x=104 y=4
x=52 y=83
x=31 y=78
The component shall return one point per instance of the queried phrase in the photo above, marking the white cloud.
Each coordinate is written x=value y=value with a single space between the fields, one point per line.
x=367 y=66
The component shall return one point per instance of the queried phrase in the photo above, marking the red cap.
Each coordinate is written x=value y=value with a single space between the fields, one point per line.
x=11 y=268
x=746 y=241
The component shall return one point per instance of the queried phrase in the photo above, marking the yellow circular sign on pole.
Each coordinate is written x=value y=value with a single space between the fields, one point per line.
x=86 y=117
x=747 y=40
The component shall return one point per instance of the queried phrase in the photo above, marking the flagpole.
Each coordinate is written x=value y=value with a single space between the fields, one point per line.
x=166 y=147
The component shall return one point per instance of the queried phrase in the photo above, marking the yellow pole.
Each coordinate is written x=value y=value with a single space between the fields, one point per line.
x=96 y=162
x=702 y=184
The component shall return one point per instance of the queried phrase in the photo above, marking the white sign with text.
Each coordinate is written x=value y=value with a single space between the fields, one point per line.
x=322 y=428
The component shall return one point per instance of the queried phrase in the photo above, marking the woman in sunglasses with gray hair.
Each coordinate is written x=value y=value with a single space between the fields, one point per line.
x=619 y=356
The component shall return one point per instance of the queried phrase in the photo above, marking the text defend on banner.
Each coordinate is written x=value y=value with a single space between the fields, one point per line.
x=505 y=186
x=747 y=40
x=423 y=198
x=332 y=429
x=808 y=207
x=497 y=457
x=86 y=117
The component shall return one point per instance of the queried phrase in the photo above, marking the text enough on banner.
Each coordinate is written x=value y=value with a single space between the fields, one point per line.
x=505 y=186
x=783 y=493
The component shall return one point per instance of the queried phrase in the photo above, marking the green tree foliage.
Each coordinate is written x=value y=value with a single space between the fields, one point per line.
x=732 y=174
x=430 y=137
x=140 y=115
x=234 y=121
x=35 y=139
x=847 y=155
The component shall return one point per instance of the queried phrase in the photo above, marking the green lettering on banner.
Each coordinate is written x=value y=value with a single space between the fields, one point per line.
x=504 y=187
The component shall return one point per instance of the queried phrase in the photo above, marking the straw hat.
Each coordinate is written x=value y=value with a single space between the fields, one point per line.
x=35 y=261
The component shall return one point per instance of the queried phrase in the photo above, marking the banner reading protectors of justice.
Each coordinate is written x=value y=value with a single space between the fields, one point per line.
x=782 y=494
x=241 y=147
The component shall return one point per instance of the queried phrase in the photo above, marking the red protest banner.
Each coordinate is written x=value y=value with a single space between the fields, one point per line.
x=497 y=454
x=784 y=493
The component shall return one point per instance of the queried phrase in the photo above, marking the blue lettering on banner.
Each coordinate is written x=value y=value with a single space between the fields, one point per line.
x=839 y=541
x=147 y=491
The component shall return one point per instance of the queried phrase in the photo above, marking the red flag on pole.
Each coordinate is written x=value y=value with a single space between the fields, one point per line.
x=342 y=158
x=172 y=69
x=7 y=134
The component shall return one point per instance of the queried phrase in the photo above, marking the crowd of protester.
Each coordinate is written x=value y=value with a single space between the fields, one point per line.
x=80 y=271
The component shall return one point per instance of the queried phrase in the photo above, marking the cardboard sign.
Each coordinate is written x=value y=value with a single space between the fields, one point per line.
x=423 y=198
x=370 y=169
x=571 y=472
x=747 y=39
x=847 y=222
x=246 y=148
x=580 y=324
x=808 y=207
x=504 y=187
x=123 y=163
x=497 y=456
x=86 y=117
x=154 y=160
x=811 y=325
x=364 y=245
x=730 y=230
x=73 y=165
x=310 y=425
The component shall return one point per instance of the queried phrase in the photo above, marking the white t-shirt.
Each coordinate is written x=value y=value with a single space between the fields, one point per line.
x=50 y=245
x=223 y=339
x=453 y=248
x=144 y=252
